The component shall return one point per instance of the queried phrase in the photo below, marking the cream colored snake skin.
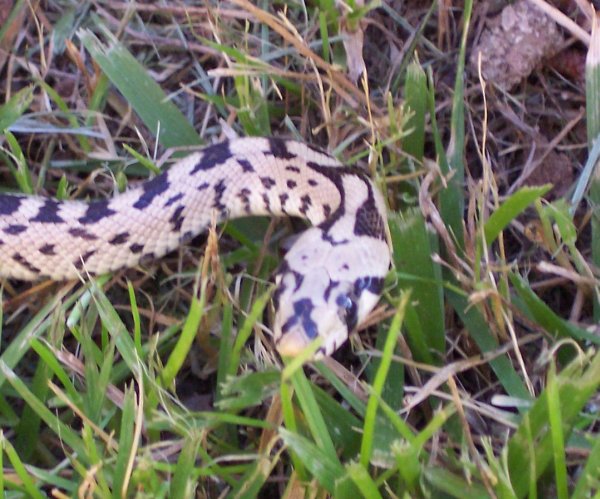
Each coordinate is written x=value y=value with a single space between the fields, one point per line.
x=329 y=281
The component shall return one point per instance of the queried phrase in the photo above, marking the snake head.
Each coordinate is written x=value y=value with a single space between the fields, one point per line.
x=324 y=291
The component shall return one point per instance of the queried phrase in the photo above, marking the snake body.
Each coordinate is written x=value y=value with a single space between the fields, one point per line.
x=329 y=281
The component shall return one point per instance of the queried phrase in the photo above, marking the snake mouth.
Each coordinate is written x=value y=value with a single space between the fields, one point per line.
x=292 y=343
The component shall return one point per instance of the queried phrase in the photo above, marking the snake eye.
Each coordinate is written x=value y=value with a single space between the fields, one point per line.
x=348 y=310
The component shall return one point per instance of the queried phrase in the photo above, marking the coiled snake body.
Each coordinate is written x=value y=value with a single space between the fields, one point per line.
x=329 y=281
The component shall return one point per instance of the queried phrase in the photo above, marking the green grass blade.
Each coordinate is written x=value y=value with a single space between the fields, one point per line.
x=486 y=341
x=452 y=198
x=15 y=107
x=127 y=444
x=68 y=436
x=186 y=339
x=542 y=314
x=312 y=414
x=363 y=481
x=413 y=252
x=557 y=435
x=510 y=209
x=322 y=466
x=386 y=361
x=20 y=469
x=158 y=113
x=589 y=478
x=530 y=449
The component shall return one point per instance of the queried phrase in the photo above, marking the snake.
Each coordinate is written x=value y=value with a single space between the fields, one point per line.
x=328 y=282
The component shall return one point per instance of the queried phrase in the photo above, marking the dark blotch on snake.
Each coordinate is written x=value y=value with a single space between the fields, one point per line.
x=136 y=248
x=371 y=284
x=219 y=188
x=151 y=189
x=267 y=182
x=14 y=229
x=121 y=238
x=80 y=262
x=302 y=311
x=212 y=156
x=177 y=219
x=9 y=204
x=21 y=261
x=96 y=211
x=48 y=213
x=246 y=165
x=278 y=148
x=368 y=219
x=173 y=199
x=47 y=249
x=82 y=233
x=306 y=203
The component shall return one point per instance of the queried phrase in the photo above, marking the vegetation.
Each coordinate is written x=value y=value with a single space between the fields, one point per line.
x=477 y=376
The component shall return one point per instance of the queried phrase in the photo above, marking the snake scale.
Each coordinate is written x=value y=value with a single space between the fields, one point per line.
x=330 y=279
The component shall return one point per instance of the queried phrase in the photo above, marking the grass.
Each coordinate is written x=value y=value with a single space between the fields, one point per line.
x=478 y=376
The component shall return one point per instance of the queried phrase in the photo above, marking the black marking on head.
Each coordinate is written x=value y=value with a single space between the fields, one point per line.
x=96 y=211
x=136 y=248
x=212 y=156
x=278 y=148
x=277 y=295
x=368 y=219
x=306 y=202
x=151 y=189
x=326 y=237
x=188 y=235
x=267 y=182
x=350 y=314
x=48 y=213
x=80 y=262
x=292 y=168
x=326 y=210
x=14 y=229
x=177 y=218
x=10 y=203
x=298 y=278
x=219 y=188
x=246 y=165
x=302 y=310
x=369 y=283
x=82 y=233
x=24 y=263
x=312 y=182
x=173 y=199
x=332 y=285
x=203 y=186
x=120 y=238
x=47 y=249
x=291 y=184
